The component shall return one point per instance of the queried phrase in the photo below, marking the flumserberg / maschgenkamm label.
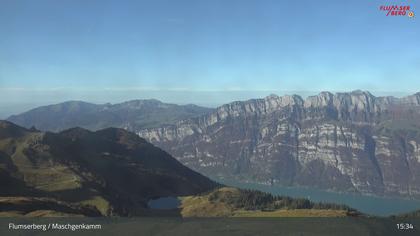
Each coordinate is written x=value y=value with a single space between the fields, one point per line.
x=54 y=226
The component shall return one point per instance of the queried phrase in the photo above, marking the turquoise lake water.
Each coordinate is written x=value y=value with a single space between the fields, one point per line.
x=367 y=204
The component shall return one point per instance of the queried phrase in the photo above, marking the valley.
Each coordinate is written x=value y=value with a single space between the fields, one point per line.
x=345 y=148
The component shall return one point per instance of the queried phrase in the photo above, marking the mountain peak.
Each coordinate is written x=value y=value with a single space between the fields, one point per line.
x=10 y=130
x=76 y=132
x=361 y=92
x=113 y=166
x=121 y=136
x=325 y=93
x=6 y=124
x=272 y=96
x=130 y=115
x=143 y=102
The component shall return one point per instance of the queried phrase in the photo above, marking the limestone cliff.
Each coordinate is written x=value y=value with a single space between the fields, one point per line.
x=344 y=142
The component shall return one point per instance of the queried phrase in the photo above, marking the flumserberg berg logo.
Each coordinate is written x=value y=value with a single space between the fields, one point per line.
x=397 y=10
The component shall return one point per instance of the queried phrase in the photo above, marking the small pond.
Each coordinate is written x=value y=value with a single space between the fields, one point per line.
x=164 y=203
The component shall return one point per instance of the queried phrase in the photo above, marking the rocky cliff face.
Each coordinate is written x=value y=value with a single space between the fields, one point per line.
x=345 y=142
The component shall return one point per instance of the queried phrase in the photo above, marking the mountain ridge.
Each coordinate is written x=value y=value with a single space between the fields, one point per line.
x=107 y=172
x=346 y=142
x=351 y=142
x=131 y=115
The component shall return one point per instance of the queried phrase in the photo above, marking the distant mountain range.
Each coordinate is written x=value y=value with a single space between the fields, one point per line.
x=131 y=115
x=351 y=142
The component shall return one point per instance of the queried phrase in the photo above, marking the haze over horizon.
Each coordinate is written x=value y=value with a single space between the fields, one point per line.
x=210 y=99
x=202 y=52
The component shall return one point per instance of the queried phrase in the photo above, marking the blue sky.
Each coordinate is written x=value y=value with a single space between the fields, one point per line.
x=81 y=46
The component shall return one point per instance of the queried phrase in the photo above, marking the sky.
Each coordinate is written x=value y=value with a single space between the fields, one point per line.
x=202 y=51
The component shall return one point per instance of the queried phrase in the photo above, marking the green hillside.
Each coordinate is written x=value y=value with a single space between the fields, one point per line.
x=111 y=170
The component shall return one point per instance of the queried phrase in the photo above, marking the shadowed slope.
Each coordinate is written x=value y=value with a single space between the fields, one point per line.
x=112 y=170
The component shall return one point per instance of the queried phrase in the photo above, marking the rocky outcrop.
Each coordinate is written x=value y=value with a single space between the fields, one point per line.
x=344 y=142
